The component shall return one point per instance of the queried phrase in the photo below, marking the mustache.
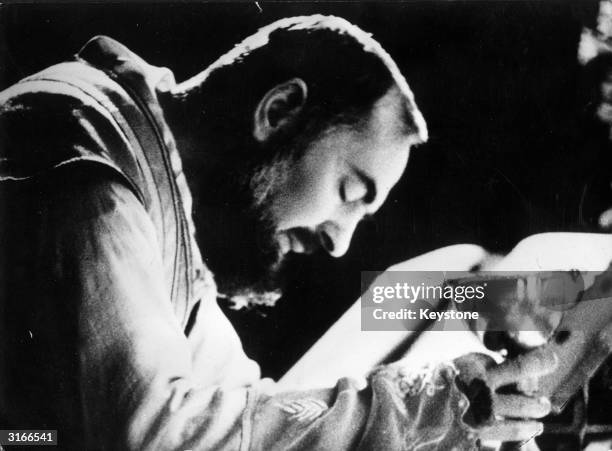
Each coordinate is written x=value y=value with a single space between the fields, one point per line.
x=311 y=241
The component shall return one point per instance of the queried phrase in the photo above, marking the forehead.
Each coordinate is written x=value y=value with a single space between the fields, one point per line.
x=381 y=144
x=389 y=117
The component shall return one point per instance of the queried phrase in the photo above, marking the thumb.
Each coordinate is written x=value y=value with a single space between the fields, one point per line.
x=536 y=363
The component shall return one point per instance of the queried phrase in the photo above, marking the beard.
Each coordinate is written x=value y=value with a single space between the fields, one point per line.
x=237 y=228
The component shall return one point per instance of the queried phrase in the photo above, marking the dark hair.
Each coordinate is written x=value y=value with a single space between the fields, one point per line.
x=344 y=68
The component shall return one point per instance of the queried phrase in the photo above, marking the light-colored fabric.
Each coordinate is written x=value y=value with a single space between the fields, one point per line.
x=93 y=347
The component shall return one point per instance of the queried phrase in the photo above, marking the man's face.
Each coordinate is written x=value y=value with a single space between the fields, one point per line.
x=343 y=175
x=312 y=202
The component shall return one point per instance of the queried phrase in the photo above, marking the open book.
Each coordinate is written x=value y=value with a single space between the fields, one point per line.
x=347 y=351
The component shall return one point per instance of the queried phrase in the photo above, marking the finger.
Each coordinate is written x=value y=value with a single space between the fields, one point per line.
x=528 y=386
x=533 y=364
x=518 y=406
x=512 y=431
x=528 y=445
x=531 y=445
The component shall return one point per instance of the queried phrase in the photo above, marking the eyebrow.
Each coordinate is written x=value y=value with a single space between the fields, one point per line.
x=369 y=183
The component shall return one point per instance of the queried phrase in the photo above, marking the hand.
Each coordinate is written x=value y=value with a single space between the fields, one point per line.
x=498 y=408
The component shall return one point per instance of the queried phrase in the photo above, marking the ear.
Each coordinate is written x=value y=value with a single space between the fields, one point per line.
x=278 y=108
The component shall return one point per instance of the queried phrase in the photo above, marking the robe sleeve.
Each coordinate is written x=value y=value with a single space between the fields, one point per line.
x=138 y=385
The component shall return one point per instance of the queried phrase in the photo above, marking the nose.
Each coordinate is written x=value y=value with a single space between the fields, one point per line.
x=336 y=237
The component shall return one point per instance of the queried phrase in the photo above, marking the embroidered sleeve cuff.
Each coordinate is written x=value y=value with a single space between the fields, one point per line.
x=470 y=380
x=434 y=406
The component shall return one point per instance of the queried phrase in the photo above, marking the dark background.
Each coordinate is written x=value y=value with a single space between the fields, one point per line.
x=512 y=143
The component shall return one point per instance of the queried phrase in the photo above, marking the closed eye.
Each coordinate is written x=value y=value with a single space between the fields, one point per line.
x=358 y=187
x=352 y=189
x=369 y=185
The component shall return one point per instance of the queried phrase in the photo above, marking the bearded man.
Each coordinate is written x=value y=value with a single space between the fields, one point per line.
x=111 y=332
